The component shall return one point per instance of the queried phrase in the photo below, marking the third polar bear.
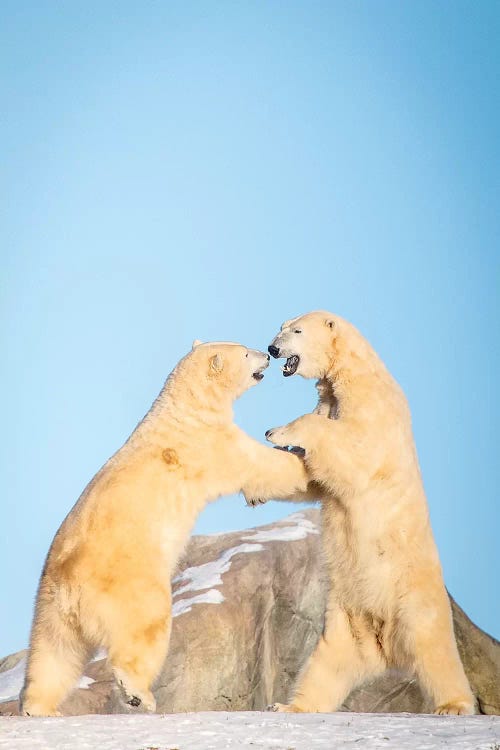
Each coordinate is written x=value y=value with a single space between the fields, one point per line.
x=387 y=605
x=106 y=580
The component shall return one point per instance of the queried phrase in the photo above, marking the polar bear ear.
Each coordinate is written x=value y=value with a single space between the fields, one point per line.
x=196 y=343
x=216 y=363
x=330 y=323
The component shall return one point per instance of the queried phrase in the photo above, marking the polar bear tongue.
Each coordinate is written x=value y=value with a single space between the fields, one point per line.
x=290 y=366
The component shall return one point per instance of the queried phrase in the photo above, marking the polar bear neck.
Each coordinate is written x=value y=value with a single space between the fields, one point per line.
x=358 y=376
x=189 y=401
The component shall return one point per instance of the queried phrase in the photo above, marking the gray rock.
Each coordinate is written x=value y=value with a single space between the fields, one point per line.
x=248 y=610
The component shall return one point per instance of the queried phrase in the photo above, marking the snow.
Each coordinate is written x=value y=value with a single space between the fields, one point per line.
x=84 y=682
x=101 y=653
x=262 y=731
x=293 y=533
x=213 y=596
x=209 y=574
x=11 y=681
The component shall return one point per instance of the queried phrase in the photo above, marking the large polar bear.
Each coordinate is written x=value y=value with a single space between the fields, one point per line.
x=387 y=605
x=106 y=580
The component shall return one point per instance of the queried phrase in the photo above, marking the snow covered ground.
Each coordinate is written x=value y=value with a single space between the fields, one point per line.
x=257 y=731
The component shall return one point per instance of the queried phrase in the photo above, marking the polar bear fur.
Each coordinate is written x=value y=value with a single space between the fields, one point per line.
x=387 y=605
x=106 y=579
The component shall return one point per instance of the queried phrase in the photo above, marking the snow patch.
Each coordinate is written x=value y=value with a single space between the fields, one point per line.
x=85 y=682
x=11 y=681
x=208 y=575
x=300 y=530
x=99 y=654
x=185 y=605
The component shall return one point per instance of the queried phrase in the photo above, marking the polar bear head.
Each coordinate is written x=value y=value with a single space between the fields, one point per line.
x=307 y=343
x=233 y=367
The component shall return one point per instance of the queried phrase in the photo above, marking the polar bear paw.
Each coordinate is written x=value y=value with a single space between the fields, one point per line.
x=287 y=708
x=301 y=434
x=278 y=435
x=136 y=701
x=39 y=711
x=455 y=708
x=253 y=502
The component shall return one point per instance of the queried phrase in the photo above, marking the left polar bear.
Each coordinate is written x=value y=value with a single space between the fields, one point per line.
x=106 y=579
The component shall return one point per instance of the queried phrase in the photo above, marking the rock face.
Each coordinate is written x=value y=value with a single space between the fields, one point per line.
x=248 y=610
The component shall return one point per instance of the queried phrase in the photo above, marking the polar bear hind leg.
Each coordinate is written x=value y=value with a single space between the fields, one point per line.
x=137 y=649
x=346 y=655
x=57 y=658
x=436 y=661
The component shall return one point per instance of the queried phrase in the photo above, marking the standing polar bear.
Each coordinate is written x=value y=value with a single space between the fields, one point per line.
x=387 y=605
x=106 y=580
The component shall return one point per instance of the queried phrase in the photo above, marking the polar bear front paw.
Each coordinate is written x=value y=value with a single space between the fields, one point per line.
x=297 y=451
x=275 y=435
x=303 y=432
x=253 y=502
x=283 y=439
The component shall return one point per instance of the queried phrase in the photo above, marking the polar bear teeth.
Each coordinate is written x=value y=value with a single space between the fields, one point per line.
x=290 y=366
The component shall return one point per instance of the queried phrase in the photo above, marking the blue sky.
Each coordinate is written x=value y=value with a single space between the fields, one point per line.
x=173 y=171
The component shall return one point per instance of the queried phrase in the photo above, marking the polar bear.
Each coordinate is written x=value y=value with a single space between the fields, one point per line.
x=387 y=604
x=106 y=579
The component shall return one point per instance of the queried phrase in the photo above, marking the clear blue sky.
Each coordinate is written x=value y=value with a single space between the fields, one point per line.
x=206 y=170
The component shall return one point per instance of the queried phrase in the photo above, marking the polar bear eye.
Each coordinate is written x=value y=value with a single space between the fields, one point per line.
x=246 y=355
x=297 y=330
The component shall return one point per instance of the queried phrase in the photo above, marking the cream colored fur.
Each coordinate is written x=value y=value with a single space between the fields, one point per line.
x=387 y=605
x=106 y=580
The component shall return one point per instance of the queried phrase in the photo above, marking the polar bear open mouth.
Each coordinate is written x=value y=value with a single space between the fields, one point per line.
x=257 y=375
x=290 y=366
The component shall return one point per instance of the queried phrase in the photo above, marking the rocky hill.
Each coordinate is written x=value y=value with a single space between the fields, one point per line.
x=248 y=610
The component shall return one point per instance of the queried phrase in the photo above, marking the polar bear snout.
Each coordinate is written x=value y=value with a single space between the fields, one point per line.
x=259 y=362
x=274 y=436
x=284 y=349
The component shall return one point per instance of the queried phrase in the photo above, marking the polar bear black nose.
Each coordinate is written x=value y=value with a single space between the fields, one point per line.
x=273 y=351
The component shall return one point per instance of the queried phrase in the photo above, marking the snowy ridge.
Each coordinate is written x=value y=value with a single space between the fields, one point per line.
x=266 y=731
